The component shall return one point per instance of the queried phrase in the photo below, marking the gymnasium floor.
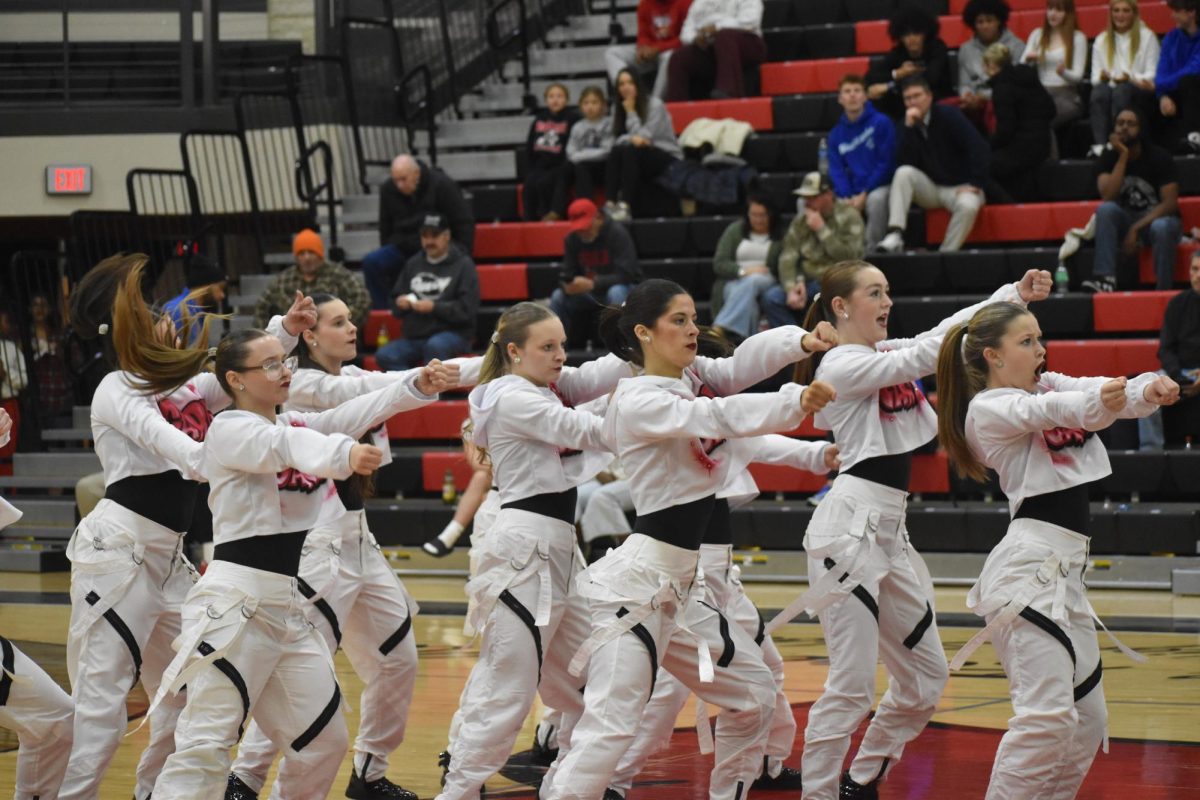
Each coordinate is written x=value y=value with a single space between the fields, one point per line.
x=1154 y=708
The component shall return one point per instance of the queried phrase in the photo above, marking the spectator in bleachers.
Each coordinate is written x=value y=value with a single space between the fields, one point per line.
x=942 y=163
x=1177 y=80
x=48 y=343
x=746 y=271
x=721 y=39
x=644 y=147
x=1138 y=183
x=918 y=50
x=600 y=267
x=207 y=280
x=1179 y=355
x=413 y=191
x=1059 y=49
x=545 y=192
x=862 y=157
x=1124 y=62
x=1024 y=116
x=659 y=23
x=828 y=231
x=311 y=274
x=590 y=142
x=989 y=20
x=14 y=376
x=437 y=296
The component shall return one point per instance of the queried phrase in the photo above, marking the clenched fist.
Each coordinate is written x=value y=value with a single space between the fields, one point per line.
x=822 y=337
x=833 y=458
x=436 y=377
x=365 y=458
x=1161 y=391
x=1112 y=394
x=816 y=396
x=1035 y=285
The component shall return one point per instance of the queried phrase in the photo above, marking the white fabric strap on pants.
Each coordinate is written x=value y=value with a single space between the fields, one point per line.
x=911 y=184
x=366 y=610
x=525 y=565
x=128 y=581
x=248 y=647
x=40 y=712
x=886 y=613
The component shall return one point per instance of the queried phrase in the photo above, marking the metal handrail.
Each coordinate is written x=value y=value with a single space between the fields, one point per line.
x=310 y=193
x=430 y=123
x=520 y=33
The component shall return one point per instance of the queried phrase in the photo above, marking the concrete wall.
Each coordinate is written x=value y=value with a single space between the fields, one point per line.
x=292 y=19
x=23 y=163
x=133 y=26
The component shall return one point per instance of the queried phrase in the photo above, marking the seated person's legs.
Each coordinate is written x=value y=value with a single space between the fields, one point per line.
x=1112 y=224
x=445 y=345
x=380 y=269
x=964 y=207
x=400 y=354
x=1163 y=235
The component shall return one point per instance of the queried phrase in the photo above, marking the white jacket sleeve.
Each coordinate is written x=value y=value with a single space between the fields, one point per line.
x=687 y=34
x=531 y=414
x=322 y=390
x=468 y=370
x=208 y=387
x=593 y=379
x=1017 y=413
x=749 y=16
x=1075 y=70
x=1136 y=404
x=276 y=329
x=1099 y=57
x=1058 y=382
x=1007 y=293
x=359 y=415
x=1145 y=62
x=756 y=359
x=663 y=415
x=788 y=452
x=137 y=417
x=247 y=445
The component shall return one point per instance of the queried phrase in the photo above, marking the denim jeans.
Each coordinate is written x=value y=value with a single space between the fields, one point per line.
x=1112 y=225
x=401 y=354
x=578 y=311
x=381 y=268
x=745 y=298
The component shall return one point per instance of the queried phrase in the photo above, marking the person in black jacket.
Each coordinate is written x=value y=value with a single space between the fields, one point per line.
x=1025 y=114
x=600 y=267
x=413 y=191
x=918 y=51
x=1179 y=354
x=943 y=164
x=545 y=192
x=437 y=296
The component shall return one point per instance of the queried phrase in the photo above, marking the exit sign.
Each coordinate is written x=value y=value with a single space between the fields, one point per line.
x=69 y=179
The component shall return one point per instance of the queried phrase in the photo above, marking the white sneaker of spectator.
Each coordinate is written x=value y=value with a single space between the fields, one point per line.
x=892 y=243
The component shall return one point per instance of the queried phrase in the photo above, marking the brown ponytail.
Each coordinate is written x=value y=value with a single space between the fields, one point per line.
x=962 y=372
x=840 y=280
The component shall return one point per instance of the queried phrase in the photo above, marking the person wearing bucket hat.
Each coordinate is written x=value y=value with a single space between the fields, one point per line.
x=312 y=274
x=599 y=267
x=437 y=296
x=828 y=231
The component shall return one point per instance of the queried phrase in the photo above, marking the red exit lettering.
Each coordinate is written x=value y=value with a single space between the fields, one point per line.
x=69 y=179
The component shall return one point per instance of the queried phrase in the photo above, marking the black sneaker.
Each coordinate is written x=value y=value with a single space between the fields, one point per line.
x=436 y=548
x=787 y=779
x=444 y=763
x=382 y=789
x=1100 y=285
x=851 y=790
x=236 y=790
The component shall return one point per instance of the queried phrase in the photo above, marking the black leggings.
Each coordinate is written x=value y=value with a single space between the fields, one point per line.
x=630 y=167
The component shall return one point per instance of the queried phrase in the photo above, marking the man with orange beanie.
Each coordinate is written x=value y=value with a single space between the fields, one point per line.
x=312 y=274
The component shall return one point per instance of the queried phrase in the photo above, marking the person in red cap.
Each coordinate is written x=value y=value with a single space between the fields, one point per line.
x=599 y=268
x=312 y=274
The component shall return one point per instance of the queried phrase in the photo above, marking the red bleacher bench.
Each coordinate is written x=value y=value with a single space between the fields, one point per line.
x=440 y=420
x=503 y=281
x=499 y=241
x=434 y=464
x=1183 y=261
x=377 y=319
x=1085 y=358
x=1129 y=311
x=757 y=111
x=957 y=6
x=1036 y=222
x=806 y=77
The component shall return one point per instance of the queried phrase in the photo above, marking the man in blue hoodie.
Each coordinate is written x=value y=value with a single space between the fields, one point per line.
x=1177 y=80
x=862 y=156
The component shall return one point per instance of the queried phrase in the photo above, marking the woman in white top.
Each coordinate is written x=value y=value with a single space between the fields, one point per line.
x=746 y=268
x=129 y=576
x=352 y=588
x=1124 y=62
x=1060 y=51
x=247 y=645
x=869 y=586
x=1000 y=410
x=669 y=431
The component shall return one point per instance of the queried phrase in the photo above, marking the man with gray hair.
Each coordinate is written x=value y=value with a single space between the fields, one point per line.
x=414 y=190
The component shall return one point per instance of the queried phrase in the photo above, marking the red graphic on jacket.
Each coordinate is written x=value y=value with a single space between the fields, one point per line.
x=550 y=136
x=293 y=480
x=898 y=398
x=595 y=261
x=193 y=419
x=1057 y=440
x=703 y=449
x=563 y=452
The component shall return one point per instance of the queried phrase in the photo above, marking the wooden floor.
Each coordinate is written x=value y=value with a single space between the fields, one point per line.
x=1154 y=708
